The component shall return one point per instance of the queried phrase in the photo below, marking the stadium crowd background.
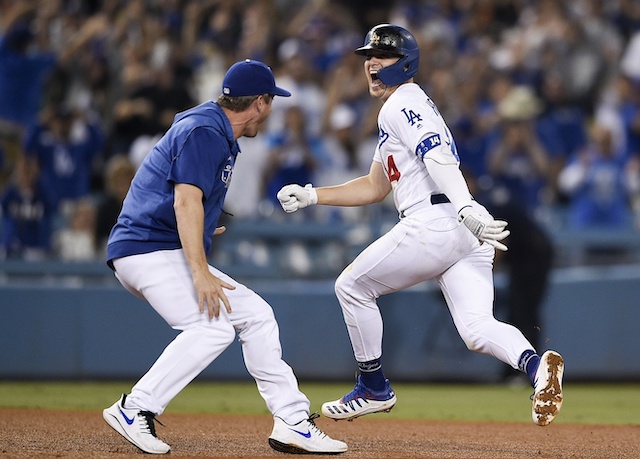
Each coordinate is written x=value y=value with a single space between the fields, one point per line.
x=542 y=96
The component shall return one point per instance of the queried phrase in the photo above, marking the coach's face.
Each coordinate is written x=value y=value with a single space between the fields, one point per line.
x=262 y=109
x=376 y=61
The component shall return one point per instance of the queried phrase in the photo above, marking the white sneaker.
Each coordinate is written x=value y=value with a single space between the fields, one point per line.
x=136 y=426
x=303 y=438
x=547 y=395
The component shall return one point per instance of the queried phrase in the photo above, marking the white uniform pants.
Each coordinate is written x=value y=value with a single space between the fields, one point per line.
x=164 y=280
x=428 y=244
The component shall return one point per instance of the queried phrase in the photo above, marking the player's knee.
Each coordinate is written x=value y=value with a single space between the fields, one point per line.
x=475 y=336
x=230 y=335
x=340 y=286
x=221 y=336
x=345 y=290
x=263 y=323
x=473 y=343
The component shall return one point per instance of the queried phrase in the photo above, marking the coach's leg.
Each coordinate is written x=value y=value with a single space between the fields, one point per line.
x=164 y=280
x=259 y=336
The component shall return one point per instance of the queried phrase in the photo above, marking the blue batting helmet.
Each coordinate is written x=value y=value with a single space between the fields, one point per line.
x=396 y=41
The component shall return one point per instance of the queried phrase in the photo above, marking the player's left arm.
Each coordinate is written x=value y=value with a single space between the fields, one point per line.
x=438 y=154
x=440 y=159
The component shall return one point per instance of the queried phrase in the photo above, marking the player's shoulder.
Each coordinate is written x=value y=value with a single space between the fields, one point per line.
x=407 y=97
x=407 y=93
x=409 y=103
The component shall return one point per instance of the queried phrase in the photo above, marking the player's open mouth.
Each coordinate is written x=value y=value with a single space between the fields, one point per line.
x=375 y=81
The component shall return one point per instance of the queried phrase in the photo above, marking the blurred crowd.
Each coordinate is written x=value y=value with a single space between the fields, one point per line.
x=542 y=96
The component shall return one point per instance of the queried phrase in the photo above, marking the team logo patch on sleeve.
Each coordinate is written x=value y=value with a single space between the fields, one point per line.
x=427 y=144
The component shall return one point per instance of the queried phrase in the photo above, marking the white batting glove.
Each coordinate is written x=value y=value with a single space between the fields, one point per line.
x=294 y=197
x=484 y=227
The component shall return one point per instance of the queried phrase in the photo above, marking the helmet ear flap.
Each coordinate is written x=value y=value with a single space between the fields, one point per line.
x=403 y=70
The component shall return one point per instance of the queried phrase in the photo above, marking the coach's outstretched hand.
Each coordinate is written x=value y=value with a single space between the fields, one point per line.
x=294 y=197
x=484 y=227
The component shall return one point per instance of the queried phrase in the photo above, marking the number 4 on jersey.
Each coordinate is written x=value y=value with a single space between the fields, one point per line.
x=392 y=170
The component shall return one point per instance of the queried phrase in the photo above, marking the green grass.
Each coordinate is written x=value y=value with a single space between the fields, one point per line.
x=584 y=403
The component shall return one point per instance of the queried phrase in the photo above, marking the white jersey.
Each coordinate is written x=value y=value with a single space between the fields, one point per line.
x=410 y=128
x=416 y=150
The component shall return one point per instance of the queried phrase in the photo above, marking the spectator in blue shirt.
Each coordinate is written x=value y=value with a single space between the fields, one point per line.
x=518 y=160
x=26 y=215
x=24 y=65
x=594 y=181
x=22 y=76
x=65 y=146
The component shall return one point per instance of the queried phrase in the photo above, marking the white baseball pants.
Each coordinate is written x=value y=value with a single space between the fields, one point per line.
x=164 y=280
x=426 y=244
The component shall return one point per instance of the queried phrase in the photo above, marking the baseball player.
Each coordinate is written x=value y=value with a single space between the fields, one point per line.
x=442 y=234
x=158 y=249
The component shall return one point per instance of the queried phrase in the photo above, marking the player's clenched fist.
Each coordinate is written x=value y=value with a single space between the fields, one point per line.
x=294 y=197
x=484 y=227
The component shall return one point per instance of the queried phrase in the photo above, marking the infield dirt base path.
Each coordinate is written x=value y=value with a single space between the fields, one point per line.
x=82 y=434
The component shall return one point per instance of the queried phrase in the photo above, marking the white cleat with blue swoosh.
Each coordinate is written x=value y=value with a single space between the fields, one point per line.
x=303 y=438
x=136 y=426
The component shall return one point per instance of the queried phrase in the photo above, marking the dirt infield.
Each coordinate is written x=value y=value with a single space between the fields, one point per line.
x=81 y=434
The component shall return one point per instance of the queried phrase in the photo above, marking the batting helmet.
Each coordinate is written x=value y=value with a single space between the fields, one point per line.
x=397 y=41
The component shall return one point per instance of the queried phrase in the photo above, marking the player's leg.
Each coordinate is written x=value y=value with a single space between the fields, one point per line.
x=408 y=254
x=468 y=290
x=164 y=280
x=259 y=336
x=294 y=429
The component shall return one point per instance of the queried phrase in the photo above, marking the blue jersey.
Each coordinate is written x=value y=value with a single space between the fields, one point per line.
x=22 y=80
x=65 y=165
x=199 y=149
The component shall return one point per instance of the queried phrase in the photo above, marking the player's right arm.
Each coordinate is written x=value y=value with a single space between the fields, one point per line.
x=190 y=219
x=370 y=188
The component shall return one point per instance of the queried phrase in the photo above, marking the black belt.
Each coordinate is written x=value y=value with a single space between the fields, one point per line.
x=435 y=199
x=439 y=199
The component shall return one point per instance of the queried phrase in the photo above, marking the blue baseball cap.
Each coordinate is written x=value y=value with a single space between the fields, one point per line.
x=250 y=78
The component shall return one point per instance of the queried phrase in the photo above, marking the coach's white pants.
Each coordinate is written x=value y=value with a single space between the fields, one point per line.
x=164 y=280
x=428 y=244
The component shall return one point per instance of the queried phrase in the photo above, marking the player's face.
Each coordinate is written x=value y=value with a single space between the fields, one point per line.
x=375 y=62
x=263 y=110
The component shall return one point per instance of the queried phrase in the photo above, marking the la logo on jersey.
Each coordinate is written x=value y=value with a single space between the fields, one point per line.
x=412 y=116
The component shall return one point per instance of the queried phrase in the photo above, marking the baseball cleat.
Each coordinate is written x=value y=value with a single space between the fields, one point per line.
x=136 y=426
x=303 y=438
x=547 y=395
x=360 y=401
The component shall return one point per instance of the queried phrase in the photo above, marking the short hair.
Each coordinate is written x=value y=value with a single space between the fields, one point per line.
x=236 y=104
x=240 y=103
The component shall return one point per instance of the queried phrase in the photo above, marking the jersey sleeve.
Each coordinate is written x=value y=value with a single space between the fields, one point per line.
x=421 y=128
x=198 y=160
